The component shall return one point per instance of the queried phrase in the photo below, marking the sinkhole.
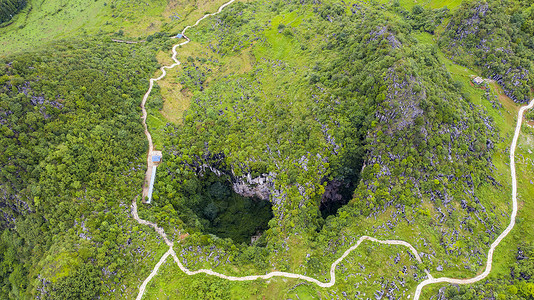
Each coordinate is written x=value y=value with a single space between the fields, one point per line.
x=224 y=213
x=339 y=191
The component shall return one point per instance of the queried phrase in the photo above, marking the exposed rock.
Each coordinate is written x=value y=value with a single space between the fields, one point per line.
x=260 y=187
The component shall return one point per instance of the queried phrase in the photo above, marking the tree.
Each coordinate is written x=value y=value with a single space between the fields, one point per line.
x=84 y=284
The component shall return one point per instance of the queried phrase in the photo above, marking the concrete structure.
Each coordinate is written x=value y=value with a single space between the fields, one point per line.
x=153 y=162
x=156 y=157
x=478 y=80
x=151 y=187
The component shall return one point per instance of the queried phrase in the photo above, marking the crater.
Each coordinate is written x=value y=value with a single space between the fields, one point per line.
x=230 y=215
x=226 y=214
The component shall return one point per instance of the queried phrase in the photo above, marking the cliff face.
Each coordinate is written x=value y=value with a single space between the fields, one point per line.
x=260 y=187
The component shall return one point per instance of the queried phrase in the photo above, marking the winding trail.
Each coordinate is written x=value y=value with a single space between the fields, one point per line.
x=512 y=217
x=332 y=281
x=298 y=276
x=152 y=80
x=154 y=272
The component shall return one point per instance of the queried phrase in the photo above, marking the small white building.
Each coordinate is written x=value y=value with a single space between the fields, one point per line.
x=156 y=157
x=478 y=80
x=155 y=160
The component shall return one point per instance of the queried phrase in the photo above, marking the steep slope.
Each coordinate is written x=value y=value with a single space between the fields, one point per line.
x=9 y=8
x=496 y=37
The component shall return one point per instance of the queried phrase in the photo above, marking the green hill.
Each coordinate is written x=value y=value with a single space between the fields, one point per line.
x=289 y=130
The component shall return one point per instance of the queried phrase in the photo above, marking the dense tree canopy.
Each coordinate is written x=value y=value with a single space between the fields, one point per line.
x=72 y=140
x=9 y=8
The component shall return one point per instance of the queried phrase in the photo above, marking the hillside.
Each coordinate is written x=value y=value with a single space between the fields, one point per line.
x=289 y=131
x=497 y=38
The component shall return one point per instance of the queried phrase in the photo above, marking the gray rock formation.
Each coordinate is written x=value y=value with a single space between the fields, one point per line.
x=260 y=187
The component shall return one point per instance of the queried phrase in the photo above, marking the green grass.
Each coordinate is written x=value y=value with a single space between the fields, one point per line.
x=59 y=20
x=475 y=94
x=373 y=256
x=156 y=122
x=505 y=120
x=281 y=45
x=450 y=4
x=41 y=22
x=286 y=48
x=408 y=4
x=172 y=283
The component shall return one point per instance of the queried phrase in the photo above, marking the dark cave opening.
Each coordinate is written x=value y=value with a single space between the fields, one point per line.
x=237 y=217
x=337 y=194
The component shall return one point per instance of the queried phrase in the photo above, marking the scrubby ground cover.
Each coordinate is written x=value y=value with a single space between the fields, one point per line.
x=300 y=54
x=349 y=118
x=511 y=277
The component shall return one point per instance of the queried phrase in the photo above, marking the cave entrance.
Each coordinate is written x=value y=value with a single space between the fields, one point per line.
x=337 y=193
x=227 y=214
x=346 y=175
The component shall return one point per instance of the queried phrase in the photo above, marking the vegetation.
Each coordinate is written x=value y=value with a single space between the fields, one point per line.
x=83 y=284
x=8 y=8
x=306 y=123
x=242 y=126
x=73 y=144
x=495 y=36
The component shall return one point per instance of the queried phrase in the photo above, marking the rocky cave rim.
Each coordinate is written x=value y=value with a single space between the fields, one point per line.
x=225 y=213
x=257 y=185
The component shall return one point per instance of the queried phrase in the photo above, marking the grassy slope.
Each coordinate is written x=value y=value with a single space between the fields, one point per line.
x=169 y=283
x=176 y=99
x=41 y=25
x=505 y=119
x=278 y=47
x=451 y=4
x=43 y=21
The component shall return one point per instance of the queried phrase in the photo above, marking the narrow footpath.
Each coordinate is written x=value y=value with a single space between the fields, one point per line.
x=332 y=281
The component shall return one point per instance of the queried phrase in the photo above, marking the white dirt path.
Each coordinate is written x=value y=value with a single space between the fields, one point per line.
x=428 y=281
x=299 y=276
x=154 y=272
